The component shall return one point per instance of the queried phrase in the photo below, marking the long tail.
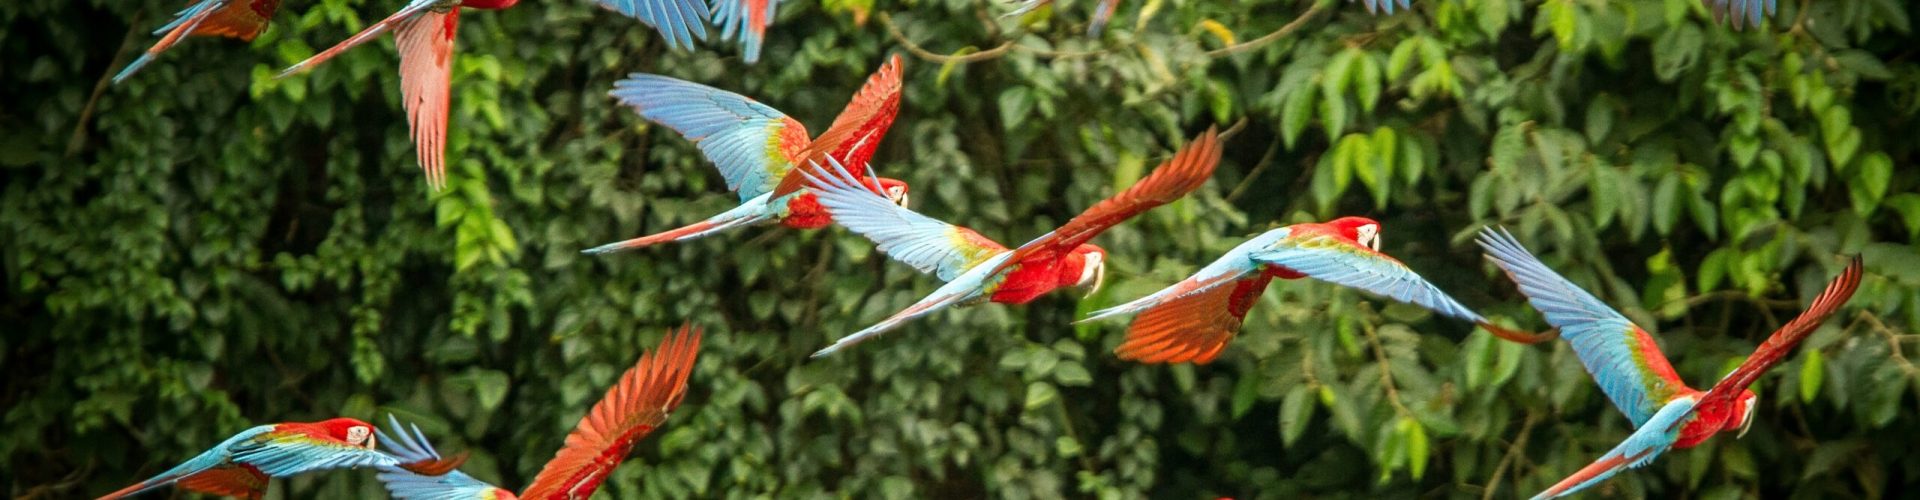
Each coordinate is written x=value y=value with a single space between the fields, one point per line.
x=1101 y=14
x=926 y=306
x=137 y=488
x=385 y=25
x=187 y=21
x=747 y=213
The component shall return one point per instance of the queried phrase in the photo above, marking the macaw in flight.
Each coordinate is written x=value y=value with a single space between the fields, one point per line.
x=978 y=269
x=1193 y=320
x=424 y=32
x=632 y=408
x=746 y=19
x=756 y=148
x=242 y=465
x=242 y=19
x=1630 y=369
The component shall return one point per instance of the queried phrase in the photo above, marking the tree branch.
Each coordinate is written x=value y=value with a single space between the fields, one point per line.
x=1288 y=29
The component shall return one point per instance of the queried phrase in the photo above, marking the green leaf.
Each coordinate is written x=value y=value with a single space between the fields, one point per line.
x=1812 y=371
x=1072 y=374
x=1333 y=115
x=1908 y=206
x=1679 y=47
x=1040 y=394
x=1296 y=411
x=1296 y=113
x=1367 y=81
x=1870 y=183
x=1245 y=392
x=1015 y=104
x=1418 y=449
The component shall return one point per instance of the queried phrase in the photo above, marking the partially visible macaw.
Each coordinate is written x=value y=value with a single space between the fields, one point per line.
x=242 y=465
x=1743 y=13
x=978 y=269
x=423 y=31
x=747 y=19
x=756 y=147
x=1101 y=13
x=632 y=408
x=1630 y=369
x=1193 y=320
x=242 y=19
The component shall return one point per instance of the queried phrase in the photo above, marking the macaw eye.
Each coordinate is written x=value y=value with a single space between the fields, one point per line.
x=357 y=435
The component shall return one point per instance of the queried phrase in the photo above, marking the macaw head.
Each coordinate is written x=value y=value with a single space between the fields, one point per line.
x=1093 y=267
x=351 y=431
x=1362 y=230
x=1744 y=408
x=894 y=189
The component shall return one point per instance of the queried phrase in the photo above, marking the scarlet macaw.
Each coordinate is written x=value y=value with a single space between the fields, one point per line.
x=632 y=408
x=756 y=147
x=241 y=465
x=1630 y=369
x=747 y=19
x=978 y=269
x=242 y=19
x=1193 y=320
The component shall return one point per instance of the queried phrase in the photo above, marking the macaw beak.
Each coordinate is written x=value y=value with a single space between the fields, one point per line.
x=372 y=442
x=1746 y=420
x=1099 y=277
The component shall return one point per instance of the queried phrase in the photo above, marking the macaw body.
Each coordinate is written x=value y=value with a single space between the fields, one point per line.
x=748 y=20
x=1636 y=376
x=241 y=465
x=1192 y=321
x=241 y=19
x=976 y=268
x=631 y=409
x=757 y=147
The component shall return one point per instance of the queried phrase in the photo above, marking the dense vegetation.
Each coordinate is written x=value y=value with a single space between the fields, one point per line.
x=203 y=248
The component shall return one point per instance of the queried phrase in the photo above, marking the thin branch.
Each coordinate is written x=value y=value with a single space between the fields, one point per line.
x=1285 y=30
x=923 y=53
x=1386 y=372
x=1519 y=443
x=79 y=136
x=1266 y=160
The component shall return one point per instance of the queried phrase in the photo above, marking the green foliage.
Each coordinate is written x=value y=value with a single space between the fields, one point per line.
x=205 y=247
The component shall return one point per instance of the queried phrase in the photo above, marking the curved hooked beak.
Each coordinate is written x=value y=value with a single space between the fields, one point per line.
x=1096 y=270
x=1370 y=237
x=1746 y=420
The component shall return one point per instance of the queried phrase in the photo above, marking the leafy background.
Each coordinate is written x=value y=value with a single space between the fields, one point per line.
x=204 y=248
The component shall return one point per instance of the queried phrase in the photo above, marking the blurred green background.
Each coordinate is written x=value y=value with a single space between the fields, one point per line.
x=204 y=248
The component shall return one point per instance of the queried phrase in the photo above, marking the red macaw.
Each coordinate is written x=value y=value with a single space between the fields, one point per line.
x=632 y=408
x=241 y=465
x=756 y=148
x=423 y=31
x=978 y=269
x=242 y=19
x=747 y=19
x=1630 y=369
x=1193 y=320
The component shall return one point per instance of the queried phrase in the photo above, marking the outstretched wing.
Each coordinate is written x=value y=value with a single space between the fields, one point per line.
x=282 y=453
x=631 y=409
x=208 y=460
x=927 y=244
x=1640 y=448
x=393 y=22
x=1621 y=356
x=1789 y=335
x=1227 y=269
x=242 y=20
x=747 y=19
x=410 y=445
x=426 y=71
x=679 y=21
x=1743 y=12
x=1178 y=176
x=856 y=132
x=967 y=286
x=752 y=144
x=1332 y=258
x=1192 y=328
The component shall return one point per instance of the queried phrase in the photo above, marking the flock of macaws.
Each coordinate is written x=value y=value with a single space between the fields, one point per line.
x=784 y=175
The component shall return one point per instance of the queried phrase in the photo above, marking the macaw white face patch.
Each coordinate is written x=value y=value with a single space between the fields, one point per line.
x=357 y=435
x=898 y=195
x=1369 y=236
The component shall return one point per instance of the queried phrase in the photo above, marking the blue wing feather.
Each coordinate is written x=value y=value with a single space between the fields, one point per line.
x=289 y=454
x=1225 y=270
x=1326 y=258
x=1603 y=339
x=925 y=243
x=733 y=19
x=410 y=445
x=679 y=21
x=733 y=131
